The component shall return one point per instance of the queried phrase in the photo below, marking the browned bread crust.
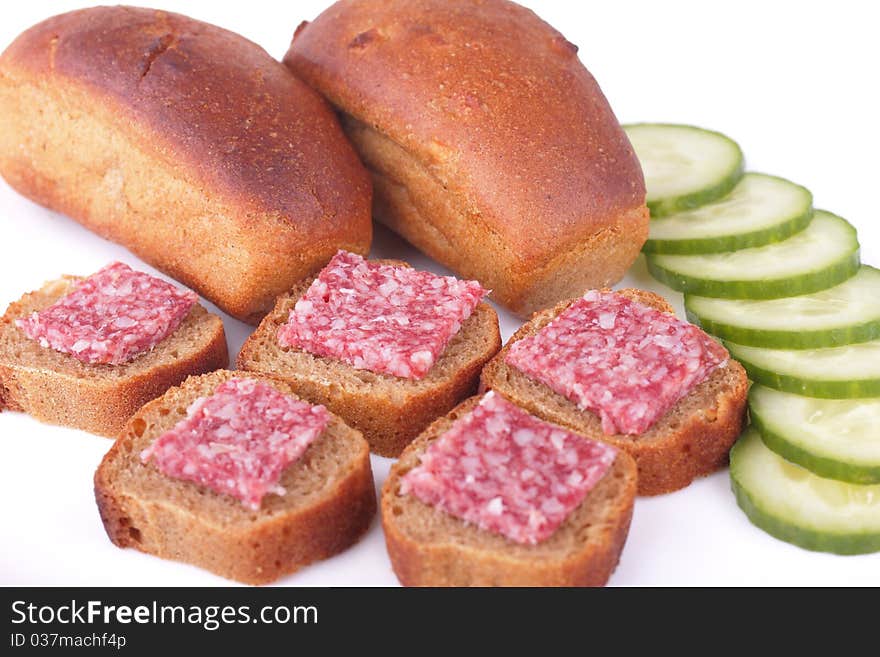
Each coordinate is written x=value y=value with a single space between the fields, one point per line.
x=429 y=547
x=329 y=504
x=389 y=411
x=691 y=440
x=491 y=147
x=186 y=143
x=59 y=389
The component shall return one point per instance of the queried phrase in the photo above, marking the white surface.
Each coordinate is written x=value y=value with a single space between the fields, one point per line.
x=794 y=83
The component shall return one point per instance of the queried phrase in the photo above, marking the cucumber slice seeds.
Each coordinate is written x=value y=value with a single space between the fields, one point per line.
x=822 y=255
x=684 y=166
x=836 y=439
x=794 y=505
x=760 y=210
x=847 y=313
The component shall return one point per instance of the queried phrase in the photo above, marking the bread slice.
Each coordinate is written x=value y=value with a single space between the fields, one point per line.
x=59 y=389
x=389 y=411
x=329 y=503
x=691 y=440
x=429 y=547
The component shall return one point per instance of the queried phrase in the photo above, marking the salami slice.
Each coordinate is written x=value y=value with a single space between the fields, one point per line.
x=239 y=440
x=508 y=472
x=112 y=316
x=620 y=359
x=386 y=319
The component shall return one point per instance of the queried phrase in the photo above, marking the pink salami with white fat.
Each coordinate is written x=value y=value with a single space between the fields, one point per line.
x=618 y=358
x=111 y=317
x=508 y=472
x=378 y=317
x=239 y=440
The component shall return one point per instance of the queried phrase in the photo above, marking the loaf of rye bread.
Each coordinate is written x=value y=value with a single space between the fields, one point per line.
x=491 y=147
x=186 y=143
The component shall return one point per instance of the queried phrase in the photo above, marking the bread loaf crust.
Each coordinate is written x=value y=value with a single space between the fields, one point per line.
x=186 y=143
x=506 y=153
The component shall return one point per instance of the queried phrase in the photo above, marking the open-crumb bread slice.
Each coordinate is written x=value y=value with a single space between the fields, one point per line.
x=429 y=547
x=389 y=411
x=691 y=440
x=57 y=388
x=329 y=501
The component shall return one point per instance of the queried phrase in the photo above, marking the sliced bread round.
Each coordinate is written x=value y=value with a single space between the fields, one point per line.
x=691 y=440
x=390 y=411
x=59 y=389
x=429 y=547
x=329 y=501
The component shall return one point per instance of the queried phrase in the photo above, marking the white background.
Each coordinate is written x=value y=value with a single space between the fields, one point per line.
x=795 y=83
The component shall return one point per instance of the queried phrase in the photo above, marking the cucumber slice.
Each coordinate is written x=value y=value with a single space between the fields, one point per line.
x=833 y=438
x=684 y=166
x=850 y=372
x=841 y=315
x=822 y=255
x=796 y=506
x=760 y=210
